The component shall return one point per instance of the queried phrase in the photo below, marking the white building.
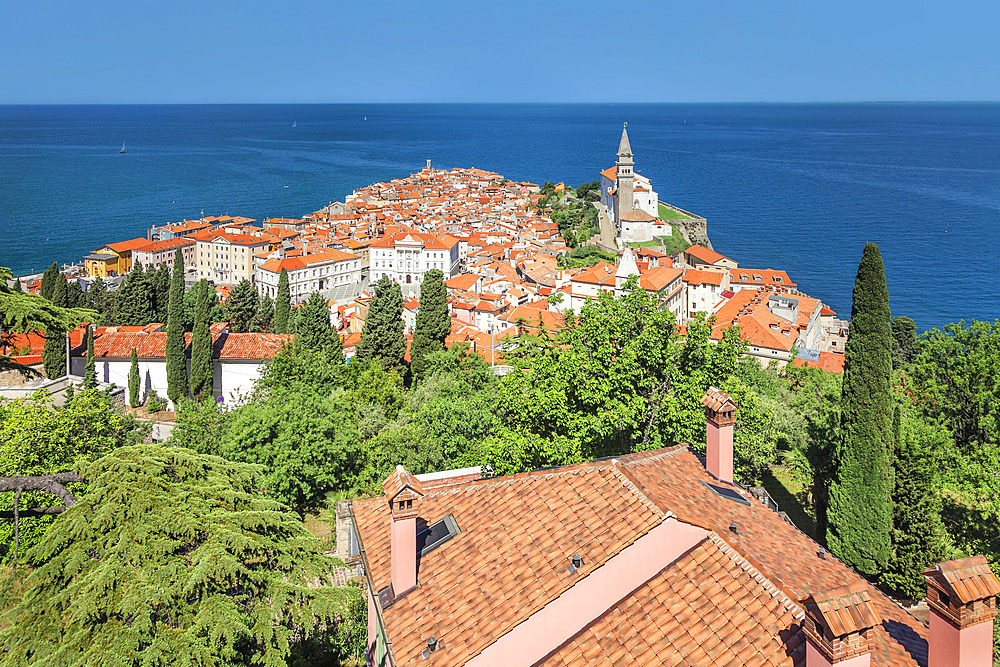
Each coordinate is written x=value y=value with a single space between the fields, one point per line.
x=406 y=256
x=162 y=253
x=226 y=258
x=310 y=273
x=237 y=359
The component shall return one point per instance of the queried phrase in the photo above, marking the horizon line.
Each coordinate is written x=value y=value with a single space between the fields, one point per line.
x=491 y=103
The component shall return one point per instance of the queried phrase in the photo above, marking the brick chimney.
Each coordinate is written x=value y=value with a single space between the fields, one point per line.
x=962 y=596
x=839 y=627
x=403 y=491
x=719 y=421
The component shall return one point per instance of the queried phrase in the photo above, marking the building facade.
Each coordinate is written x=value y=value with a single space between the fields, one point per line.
x=406 y=256
x=162 y=253
x=226 y=258
x=309 y=273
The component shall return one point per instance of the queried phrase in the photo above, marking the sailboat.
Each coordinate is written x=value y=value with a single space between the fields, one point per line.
x=294 y=123
x=123 y=148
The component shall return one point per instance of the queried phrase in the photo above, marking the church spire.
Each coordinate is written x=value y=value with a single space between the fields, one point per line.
x=624 y=149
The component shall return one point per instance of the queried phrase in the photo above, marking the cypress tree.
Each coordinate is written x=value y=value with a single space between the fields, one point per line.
x=382 y=336
x=313 y=324
x=75 y=297
x=134 y=301
x=177 y=377
x=202 y=381
x=54 y=352
x=159 y=281
x=282 y=304
x=97 y=298
x=133 y=381
x=18 y=287
x=433 y=324
x=90 y=375
x=919 y=539
x=49 y=281
x=859 y=518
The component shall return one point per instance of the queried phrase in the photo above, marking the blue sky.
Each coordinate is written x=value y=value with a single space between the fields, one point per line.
x=56 y=51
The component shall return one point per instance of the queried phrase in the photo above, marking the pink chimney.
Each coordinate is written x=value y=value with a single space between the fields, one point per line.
x=962 y=596
x=839 y=627
x=719 y=421
x=403 y=491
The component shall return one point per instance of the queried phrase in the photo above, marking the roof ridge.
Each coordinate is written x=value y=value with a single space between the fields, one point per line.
x=636 y=487
x=757 y=575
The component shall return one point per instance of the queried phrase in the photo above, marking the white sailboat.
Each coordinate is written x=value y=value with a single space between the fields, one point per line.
x=294 y=123
x=123 y=148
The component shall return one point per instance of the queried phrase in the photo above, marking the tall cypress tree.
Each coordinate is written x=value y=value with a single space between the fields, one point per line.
x=17 y=287
x=90 y=374
x=433 y=324
x=382 y=336
x=859 y=518
x=177 y=377
x=98 y=299
x=159 y=281
x=241 y=307
x=134 y=300
x=282 y=304
x=75 y=298
x=265 y=315
x=54 y=352
x=313 y=324
x=202 y=381
x=133 y=381
x=49 y=281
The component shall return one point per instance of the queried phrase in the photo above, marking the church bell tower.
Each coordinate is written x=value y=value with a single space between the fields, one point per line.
x=623 y=177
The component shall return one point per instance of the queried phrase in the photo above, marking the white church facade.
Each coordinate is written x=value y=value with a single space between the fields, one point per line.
x=630 y=199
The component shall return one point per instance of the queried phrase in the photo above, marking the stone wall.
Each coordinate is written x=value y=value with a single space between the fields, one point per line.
x=694 y=227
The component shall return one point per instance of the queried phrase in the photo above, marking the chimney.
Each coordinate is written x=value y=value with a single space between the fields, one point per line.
x=962 y=596
x=403 y=491
x=719 y=421
x=839 y=627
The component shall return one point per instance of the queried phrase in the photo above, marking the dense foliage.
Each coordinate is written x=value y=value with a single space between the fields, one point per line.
x=382 y=337
x=433 y=323
x=54 y=351
x=241 y=307
x=859 y=519
x=171 y=557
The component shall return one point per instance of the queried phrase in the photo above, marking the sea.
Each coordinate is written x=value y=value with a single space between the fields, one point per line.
x=797 y=187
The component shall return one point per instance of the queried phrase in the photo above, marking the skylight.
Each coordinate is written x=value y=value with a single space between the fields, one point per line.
x=436 y=534
x=726 y=492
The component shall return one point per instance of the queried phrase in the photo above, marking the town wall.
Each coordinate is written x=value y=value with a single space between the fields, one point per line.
x=694 y=227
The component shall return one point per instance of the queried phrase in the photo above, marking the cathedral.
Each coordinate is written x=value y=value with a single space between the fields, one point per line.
x=629 y=197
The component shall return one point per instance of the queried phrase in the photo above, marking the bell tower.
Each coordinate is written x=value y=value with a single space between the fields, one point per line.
x=623 y=177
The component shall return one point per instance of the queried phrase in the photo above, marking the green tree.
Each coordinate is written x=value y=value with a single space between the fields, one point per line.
x=17 y=286
x=433 y=323
x=177 y=372
x=75 y=297
x=159 y=281
x=905 y=341
x=97 y=299
x=48 y=285
x=90 y=373
x=54 y=351
x=38 y=438
x=282 y=304
x=197 y=567
x=215 y=313
x=918 y=536
x=133 y=381
x=313 y=325
x=265 y=315
x=241 y=307
x=859 y=518
x=298 y=367
x=134 y=300
x=202 y=376
x=382 y=336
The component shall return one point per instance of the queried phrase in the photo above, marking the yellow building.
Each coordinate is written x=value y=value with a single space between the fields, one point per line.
x=113 y=259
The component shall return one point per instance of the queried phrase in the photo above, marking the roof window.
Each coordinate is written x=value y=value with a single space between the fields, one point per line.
x=725 y=492
x=436 y=534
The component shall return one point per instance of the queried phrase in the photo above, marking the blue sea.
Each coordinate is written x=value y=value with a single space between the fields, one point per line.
x=798 y=187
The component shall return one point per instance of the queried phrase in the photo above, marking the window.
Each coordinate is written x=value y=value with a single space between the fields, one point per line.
x=436 y=534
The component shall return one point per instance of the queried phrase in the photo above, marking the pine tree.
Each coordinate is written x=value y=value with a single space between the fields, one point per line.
x=133 y=381
x=134 y=301
x=18 y=287
x=433 y=324
x=90 y=374
x=54 y=352
x=382 y=336
x=859 y=518
x=265 y=315
x=919 y=539
x=175 y=555
x=177 y=374
x=98 y=299
x=282 y=304
x=49 y=281
x=313 y=324
x=241 y=307
x=75 y=297
x=202 y=380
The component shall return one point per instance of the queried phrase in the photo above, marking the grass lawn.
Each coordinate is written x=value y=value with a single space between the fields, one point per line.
x=646 y=244
x=675 y=242
x=792 y=497
x=667 y=213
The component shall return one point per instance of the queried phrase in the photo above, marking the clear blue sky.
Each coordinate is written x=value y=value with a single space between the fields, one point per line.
x=110 y=51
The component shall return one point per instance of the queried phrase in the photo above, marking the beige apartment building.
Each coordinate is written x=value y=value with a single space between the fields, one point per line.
x=227 y=258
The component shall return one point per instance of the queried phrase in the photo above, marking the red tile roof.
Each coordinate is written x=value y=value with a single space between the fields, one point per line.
x=117 y=344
